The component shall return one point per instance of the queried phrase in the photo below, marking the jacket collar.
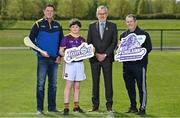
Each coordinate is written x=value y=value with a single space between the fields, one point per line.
x=136 y=29
x=47 y=20
x=106 y=25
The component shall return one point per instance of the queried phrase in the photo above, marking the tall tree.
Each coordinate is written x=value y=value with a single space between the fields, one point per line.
x=72 y=8
x=119 y=8
x=92 y=6
x=157 y=6
x=150 y=10
x=143 y=7
x=136 y=6
x=23 y=9
x=177 y=7
x=3 y=8
x=103 y=2
x=168 y=6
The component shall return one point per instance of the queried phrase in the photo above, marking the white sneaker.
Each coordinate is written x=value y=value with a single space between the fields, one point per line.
x=39 y=112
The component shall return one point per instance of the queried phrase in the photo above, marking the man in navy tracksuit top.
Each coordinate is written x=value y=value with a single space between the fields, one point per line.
x=47 y=34
x=135 y=71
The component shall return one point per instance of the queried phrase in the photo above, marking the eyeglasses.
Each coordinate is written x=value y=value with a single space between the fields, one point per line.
x=102 y=13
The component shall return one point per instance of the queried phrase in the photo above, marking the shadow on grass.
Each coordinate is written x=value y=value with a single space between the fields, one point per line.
x=101 y=114
x=96 y=114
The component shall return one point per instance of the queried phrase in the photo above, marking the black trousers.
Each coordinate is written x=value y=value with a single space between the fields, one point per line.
x=107 y=73
x=133 y=73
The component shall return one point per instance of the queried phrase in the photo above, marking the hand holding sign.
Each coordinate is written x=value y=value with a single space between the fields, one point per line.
x=130 y=48
x=84 y=51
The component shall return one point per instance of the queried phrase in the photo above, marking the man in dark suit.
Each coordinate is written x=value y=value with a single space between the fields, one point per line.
x=103 y=35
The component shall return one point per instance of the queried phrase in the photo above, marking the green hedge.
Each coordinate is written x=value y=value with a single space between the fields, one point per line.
x=6 y=23
x=158 y=16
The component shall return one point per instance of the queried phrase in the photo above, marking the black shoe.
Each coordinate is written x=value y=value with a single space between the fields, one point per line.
x=94 y=108
x=54 y=111
x=132 y=110
x=78 y=109
x=66 y=111
x=141 y=112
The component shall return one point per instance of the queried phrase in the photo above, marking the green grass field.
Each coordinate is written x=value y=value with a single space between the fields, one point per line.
x=170 y=38
x=18 y=83
x=18 y=76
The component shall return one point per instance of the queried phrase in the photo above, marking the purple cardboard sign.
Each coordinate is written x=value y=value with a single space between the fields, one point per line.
x=84 y=51
x=130 y=48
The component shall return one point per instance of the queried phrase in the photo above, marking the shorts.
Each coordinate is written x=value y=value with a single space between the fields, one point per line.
x=74 y=71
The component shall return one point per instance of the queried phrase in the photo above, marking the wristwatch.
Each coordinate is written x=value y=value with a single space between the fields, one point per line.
x=105 y=55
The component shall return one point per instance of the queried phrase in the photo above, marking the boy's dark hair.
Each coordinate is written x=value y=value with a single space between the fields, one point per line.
x=74 y=21
x=49 y=5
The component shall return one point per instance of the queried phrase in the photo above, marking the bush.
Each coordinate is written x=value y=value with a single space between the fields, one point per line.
x=177 y=16
x=6 y=23
x=157 y=16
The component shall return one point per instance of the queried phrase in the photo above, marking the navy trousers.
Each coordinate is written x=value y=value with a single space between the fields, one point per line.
x=132 y=74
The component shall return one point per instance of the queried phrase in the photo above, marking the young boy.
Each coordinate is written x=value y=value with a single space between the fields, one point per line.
x=74 y=71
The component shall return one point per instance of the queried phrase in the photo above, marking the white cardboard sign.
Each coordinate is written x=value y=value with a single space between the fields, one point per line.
x=130 y=48
x=84 y=51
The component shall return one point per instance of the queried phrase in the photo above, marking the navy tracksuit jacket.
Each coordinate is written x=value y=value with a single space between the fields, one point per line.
x=47 y=36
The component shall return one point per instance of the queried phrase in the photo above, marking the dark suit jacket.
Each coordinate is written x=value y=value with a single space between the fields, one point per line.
x=105 y=45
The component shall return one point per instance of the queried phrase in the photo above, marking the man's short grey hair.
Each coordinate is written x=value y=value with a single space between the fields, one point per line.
x=131 y=16
x=101 y=7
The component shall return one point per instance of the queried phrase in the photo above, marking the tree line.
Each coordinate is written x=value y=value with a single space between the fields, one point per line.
x=86 y=9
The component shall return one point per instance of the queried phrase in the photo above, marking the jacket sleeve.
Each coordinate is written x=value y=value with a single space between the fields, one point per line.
x=89 y=36
x=113 y=45
x=121 y=36
x=34 y=32
x=61 y=35
x=148 y=44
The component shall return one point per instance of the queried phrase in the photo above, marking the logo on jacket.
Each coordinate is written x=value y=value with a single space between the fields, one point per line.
x=84 y=51
x=130 y=48
x=43 y=26
x=55 y=26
